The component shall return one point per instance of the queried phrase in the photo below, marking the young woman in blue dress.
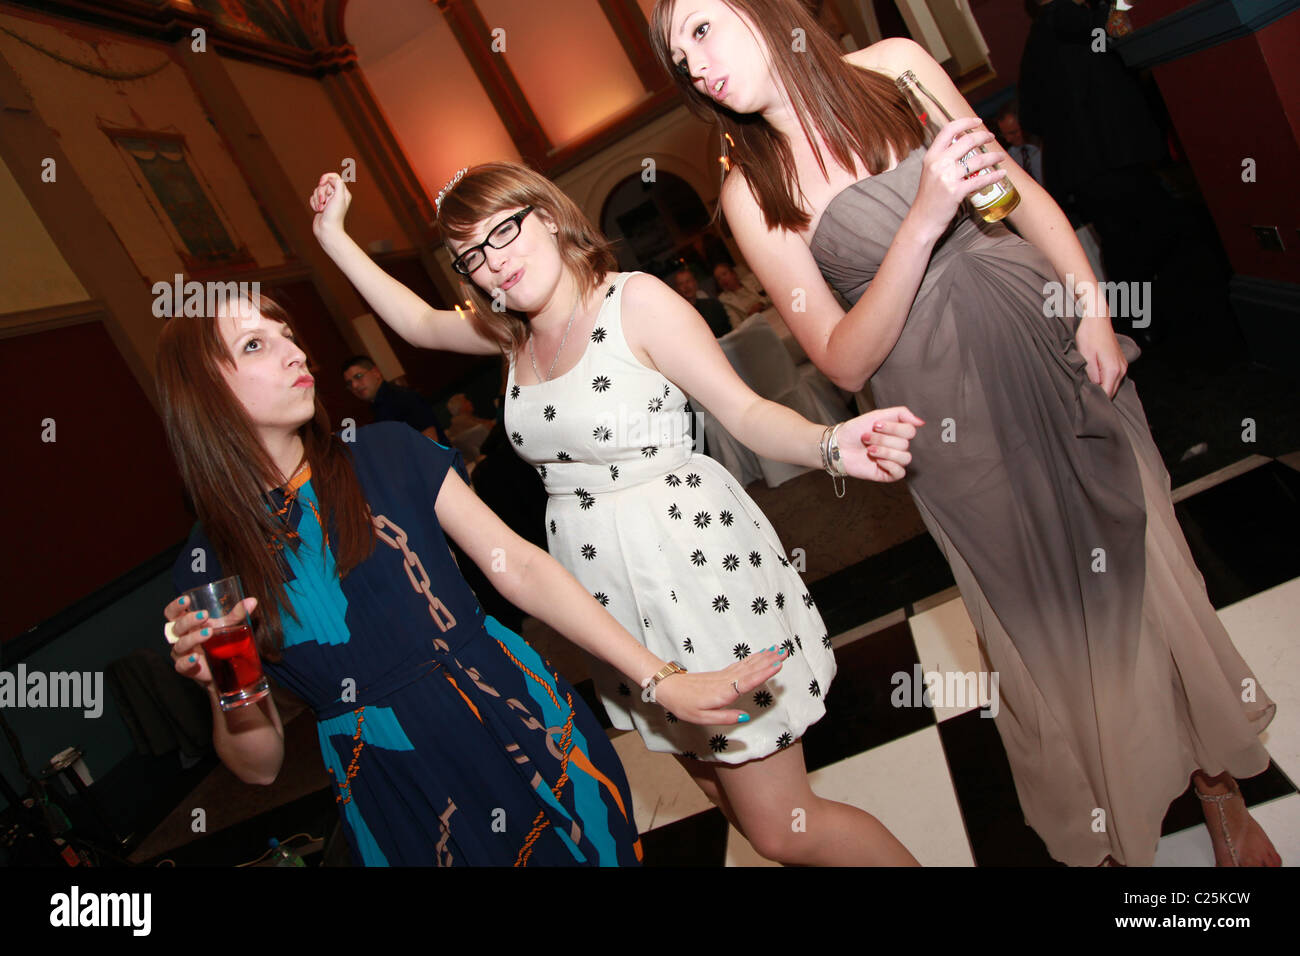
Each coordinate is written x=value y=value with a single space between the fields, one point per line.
x=449 y=739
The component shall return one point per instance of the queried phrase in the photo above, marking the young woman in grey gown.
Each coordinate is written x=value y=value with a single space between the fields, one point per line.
x=1041 y=484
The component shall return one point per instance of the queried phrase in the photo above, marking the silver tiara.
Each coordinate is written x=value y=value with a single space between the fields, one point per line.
x=450 y=186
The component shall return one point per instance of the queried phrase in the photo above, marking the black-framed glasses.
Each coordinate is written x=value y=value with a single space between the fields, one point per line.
x=505 y=232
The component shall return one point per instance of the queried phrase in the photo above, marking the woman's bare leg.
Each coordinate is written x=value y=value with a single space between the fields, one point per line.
x=770 y=802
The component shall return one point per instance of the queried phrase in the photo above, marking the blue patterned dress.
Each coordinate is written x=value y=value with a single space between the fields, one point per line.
x=448 y=739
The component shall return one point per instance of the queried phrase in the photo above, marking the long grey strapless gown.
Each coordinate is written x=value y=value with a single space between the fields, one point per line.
x=1052 y=506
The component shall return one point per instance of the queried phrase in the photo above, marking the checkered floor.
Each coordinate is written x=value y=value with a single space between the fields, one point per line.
x=938 y=777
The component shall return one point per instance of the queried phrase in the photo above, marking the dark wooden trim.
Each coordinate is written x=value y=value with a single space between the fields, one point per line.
x=471 y=32
x=1198 y=27
x=617 y=127
x=633 y=32
x=31 y=321
x=161 y=22
x=401 y=187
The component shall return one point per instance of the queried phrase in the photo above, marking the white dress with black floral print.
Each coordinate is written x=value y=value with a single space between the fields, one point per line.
x=669 y=544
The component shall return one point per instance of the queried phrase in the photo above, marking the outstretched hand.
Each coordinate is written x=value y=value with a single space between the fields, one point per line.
x=329 y=200
x=874 y=446
x=703 y=698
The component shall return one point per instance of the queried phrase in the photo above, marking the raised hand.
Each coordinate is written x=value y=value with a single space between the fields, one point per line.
x=329 y=200
x=874 y=446
x=703 y=698
x=946 y=180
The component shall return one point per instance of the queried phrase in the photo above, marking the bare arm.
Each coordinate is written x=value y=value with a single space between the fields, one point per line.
x=846 y=347
x=679 y=343
x=1038 y=218
x=849 y=347
x=405 y=312
x=536 y=583
x=249 y=740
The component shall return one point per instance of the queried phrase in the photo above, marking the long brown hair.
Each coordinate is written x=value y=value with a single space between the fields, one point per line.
x=225 y=468
x=488 y=189
x=859 y=113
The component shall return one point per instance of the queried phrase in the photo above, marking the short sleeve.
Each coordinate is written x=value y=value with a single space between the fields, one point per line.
x=419 y=414
x=429 y=460
x=196 y=564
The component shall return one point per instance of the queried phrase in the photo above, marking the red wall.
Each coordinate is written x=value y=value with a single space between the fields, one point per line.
x=102 y=498
x=1005 y=27
x=1240 y=100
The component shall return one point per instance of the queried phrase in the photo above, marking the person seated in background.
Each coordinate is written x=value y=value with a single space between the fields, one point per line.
x=1026 y=154
x=390 y=402
x=741 y=299
x=467 y=431
x=713 y=311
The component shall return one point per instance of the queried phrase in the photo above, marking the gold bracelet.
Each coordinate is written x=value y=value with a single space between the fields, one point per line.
x=650 y=683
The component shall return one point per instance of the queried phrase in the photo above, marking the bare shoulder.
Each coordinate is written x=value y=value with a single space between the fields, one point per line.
x=891 y=56
x=735 y=190
x=643 y=294
x=738 y=202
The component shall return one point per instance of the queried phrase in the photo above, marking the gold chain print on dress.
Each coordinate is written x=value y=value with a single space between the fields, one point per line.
x=413 y=564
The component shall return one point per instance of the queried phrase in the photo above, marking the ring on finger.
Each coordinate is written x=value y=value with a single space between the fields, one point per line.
x=736 y=685
x=169 y=632
x=964 y=167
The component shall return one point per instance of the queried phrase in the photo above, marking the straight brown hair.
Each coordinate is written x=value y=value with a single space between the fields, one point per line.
x=225 y=469
x=859 y=113
x=490 y=188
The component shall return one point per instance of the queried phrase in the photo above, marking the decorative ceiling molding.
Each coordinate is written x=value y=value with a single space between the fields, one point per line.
x=165 y=22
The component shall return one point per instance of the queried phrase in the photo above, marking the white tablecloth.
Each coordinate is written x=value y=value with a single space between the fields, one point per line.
x=762 y=358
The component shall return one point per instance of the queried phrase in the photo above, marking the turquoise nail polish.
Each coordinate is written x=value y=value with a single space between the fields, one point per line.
x=205 y=632
x=184 y=601
x=744 y=718
x=192 y=658
x=201 y=615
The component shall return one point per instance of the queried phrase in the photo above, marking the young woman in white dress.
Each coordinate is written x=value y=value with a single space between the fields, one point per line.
x=663 y=538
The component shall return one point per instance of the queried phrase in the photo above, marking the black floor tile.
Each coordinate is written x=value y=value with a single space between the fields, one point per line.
x=884 y=582
x=986 y=794
x=1245 y=533
x=698 y=840
x=587 y=691
x=859 y=714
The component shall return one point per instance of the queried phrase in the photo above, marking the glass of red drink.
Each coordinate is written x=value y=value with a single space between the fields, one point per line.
x=230 y=651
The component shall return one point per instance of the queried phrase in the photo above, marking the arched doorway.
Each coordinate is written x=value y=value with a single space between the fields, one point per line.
x=653 y=223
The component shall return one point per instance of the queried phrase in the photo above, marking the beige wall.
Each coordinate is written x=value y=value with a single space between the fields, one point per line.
x=677 y=142
x=75 y=104
x=568 y=60
x=34 y=274
x=304 y=130
x=430 y=95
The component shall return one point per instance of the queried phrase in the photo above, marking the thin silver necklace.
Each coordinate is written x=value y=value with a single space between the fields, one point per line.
x=532 y=355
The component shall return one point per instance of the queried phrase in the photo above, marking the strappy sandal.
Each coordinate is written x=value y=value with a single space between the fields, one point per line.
x=1217 y=799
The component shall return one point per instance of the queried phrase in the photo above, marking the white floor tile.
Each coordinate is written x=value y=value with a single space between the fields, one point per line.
x=906 y=785
x=1263 y=628
x=662 y=792
x=946 y=643
x=1279 y=818
x=871 y=627
x=1219 y=477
